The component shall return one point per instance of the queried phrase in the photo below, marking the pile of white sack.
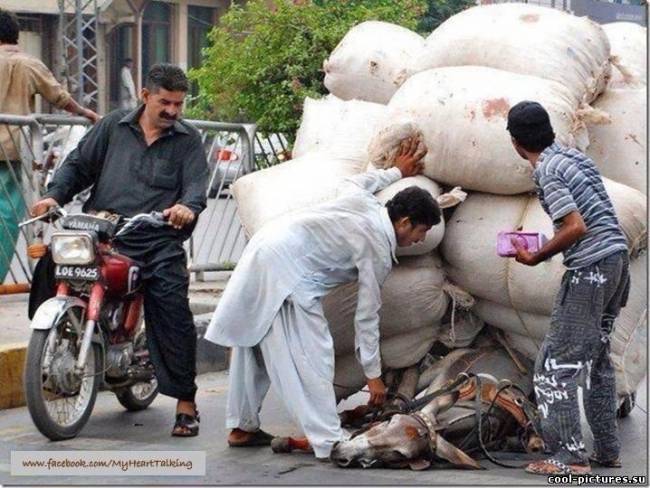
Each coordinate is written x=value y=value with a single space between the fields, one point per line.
x=454 y=89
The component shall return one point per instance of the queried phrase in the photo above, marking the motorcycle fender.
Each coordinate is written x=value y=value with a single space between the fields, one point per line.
x=52 y=310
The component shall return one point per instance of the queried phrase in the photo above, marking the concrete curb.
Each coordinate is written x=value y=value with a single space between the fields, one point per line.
x=12 y=362
x=209 y=358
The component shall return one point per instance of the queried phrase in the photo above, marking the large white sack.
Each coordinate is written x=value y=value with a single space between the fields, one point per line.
x=434 y=236
x=524 y=39
x=371 y=61
x=629 y=341
x=469 y=246
x=619 y=148
x=460 y=329
x=414 y=299
x=628 y=43
x=339 y=128
x=461 y=113
x=287 y=187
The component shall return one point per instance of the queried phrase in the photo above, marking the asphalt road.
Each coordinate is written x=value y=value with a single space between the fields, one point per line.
x=111 y=428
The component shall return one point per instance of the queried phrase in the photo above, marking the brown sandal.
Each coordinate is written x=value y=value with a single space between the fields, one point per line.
x=551 y=466
x=257 y=438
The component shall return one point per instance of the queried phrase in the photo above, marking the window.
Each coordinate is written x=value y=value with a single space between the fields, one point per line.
x=200 y=21
x=156 y=35
x=122 y=46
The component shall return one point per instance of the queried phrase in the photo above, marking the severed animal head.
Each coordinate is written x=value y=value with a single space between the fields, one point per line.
x=414 y=440
x=403 y=441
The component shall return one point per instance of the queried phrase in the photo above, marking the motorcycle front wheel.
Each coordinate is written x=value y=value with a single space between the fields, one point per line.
x=59 y=400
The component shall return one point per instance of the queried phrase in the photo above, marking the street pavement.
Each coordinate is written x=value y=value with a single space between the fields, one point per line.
x=112 y=428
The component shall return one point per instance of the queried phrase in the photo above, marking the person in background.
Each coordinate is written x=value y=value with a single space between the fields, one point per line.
x=128 y=97
x=22 y=77
x=594 y=288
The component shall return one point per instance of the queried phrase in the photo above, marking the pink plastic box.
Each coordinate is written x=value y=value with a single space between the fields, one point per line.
x=532 y=241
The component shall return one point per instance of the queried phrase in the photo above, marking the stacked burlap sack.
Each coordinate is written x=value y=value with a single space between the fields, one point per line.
x=454 y=90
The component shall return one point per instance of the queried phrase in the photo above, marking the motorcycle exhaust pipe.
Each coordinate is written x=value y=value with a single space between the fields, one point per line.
x=140 y=374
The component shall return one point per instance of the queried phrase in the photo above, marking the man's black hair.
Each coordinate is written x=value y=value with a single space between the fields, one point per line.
x=530 y=125
x=9 y=27
x=128 y=60
x=416 y=204
x=167 y=76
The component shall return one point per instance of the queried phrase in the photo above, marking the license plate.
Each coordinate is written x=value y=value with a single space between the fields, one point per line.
x=83 y=273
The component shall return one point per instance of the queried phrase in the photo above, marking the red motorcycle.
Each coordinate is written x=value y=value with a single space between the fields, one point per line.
x=90 y=335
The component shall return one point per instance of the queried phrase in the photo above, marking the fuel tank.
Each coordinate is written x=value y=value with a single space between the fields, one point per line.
x=121 y=273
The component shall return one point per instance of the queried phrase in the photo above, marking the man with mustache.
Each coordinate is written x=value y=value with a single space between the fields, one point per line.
x=141 y=161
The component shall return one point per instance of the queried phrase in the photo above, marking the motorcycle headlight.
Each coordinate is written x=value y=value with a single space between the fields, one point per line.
x=74 y=248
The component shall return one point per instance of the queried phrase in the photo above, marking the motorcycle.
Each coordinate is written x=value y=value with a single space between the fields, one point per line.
x=90 y=335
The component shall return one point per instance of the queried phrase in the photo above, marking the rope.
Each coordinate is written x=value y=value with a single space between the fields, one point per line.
x=459 y=298
x=508 y=262
x=628 y=75
x=479 y=421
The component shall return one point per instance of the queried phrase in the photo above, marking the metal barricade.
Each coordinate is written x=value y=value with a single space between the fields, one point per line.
x=40 y=143
x=21 y=150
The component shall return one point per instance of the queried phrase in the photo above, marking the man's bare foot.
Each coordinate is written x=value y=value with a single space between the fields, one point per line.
x=186 y=407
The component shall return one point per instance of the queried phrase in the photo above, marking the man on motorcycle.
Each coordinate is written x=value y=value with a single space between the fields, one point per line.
x=141 y=161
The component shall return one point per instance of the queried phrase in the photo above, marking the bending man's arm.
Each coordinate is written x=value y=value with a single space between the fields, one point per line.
x=407 y=163
x=366 y=325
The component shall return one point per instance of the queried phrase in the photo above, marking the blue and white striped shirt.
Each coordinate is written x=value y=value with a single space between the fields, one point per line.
x=566 y=180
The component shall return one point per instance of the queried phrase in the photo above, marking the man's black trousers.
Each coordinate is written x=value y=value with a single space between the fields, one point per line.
x=171 y=334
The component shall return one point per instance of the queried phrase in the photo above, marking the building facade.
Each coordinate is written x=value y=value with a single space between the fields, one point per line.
x=147 y=31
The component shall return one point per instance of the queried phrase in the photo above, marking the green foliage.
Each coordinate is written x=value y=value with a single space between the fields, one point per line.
x=262 y=62
x=440 y=10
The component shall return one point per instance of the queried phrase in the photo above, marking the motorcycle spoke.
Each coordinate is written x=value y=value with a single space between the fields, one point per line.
x=66 y=408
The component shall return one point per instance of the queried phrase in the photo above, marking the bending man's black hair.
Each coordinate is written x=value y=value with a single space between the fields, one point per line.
x=416 y=204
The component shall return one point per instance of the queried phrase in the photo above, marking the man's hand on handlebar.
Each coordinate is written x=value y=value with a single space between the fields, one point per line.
x=178 y=216
x=42 y=206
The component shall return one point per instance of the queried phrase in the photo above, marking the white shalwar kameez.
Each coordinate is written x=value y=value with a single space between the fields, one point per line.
x=271 y=311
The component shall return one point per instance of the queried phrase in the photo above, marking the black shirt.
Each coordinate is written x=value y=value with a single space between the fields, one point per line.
x=130 y=177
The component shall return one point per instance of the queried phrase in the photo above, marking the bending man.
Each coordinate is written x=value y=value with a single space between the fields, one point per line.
x=271 y=311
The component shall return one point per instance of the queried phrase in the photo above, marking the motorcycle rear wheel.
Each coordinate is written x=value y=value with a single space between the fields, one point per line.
x=58 y=402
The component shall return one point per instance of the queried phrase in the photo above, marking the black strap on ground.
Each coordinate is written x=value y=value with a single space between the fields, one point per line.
x=479 y=421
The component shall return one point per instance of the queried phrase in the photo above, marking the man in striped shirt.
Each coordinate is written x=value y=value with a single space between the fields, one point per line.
x=593 y=291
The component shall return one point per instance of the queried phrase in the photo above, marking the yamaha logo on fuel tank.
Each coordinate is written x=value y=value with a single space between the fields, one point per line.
x=79 y=224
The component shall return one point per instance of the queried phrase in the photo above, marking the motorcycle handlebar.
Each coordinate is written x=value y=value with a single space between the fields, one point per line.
x=157 y=219
x=52 y=212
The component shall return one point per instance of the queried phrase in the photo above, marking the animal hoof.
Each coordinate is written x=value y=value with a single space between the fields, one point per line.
x=280 y=445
